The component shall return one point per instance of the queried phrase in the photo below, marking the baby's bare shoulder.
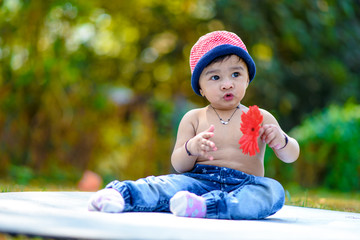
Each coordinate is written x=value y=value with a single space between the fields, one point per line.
x=192 y=118
x=268 y=118
x=195 y=113
x=265 y=113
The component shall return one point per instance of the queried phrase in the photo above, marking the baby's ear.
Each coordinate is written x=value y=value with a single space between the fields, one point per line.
x=201 y=92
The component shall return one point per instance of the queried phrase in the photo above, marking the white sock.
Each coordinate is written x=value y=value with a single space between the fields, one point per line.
x=186 y=204
x=107 y=200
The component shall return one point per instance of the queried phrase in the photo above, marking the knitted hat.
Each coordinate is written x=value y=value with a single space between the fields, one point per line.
x=213 y=45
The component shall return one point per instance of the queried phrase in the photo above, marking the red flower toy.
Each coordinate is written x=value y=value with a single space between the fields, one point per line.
x=250 y=126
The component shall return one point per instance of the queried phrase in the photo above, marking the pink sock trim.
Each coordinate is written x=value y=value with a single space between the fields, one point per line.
x=195 y=207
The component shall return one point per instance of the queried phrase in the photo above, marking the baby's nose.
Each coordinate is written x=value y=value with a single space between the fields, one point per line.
x=227 y=84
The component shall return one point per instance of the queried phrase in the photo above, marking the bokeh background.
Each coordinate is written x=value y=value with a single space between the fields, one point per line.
x=102 y=85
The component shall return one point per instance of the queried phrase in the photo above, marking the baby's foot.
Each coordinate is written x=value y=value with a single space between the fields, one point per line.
x=186 y=204
x=107 y=200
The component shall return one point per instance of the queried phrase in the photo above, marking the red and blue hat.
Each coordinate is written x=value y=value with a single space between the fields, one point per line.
x=213 y=45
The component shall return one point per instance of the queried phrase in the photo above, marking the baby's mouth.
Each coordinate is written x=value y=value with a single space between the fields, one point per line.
x=228 y=96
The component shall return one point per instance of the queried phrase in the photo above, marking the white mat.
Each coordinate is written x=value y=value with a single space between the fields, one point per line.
x=65 y=215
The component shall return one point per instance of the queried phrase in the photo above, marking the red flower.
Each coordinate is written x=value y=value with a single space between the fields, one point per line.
x=250 y=126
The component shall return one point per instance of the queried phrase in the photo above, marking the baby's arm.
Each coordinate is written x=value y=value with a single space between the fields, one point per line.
x=285 y=147
x=188 y=142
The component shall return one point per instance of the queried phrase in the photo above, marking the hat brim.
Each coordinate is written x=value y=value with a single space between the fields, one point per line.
x=218 y=51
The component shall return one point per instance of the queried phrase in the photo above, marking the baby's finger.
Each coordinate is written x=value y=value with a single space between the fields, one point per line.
x=209 y=132
x=265 y=135
x=208 y=146
x=208 y=135
x=204 y=148
x=211 y=128
x=273 y=144
x=209 y=143
x=269 y=138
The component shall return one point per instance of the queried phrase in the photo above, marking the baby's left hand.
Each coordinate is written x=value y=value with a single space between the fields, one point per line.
x=272 y=135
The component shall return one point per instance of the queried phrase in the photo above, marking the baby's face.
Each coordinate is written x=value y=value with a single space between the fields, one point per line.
x=224 y=83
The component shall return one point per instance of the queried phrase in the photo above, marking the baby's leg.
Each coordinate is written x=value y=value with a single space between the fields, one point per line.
x=258 y=199
x=151 y=194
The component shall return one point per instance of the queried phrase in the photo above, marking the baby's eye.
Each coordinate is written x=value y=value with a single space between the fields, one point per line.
x=215 y=77
x=235 y=74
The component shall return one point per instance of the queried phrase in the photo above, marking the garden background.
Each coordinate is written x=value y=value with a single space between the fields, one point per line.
x=102 y=85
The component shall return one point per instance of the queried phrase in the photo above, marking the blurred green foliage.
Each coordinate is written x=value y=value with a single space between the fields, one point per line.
x=329 y=142
x=102 y=85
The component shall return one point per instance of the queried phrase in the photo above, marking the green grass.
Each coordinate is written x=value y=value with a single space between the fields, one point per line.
x=323 y=199
x=6 y=186
x=18 y=237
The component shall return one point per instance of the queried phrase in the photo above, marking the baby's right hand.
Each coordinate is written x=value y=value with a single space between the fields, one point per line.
x=200 y=145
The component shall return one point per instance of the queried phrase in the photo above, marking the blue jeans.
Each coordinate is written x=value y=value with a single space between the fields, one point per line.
x=229 y=194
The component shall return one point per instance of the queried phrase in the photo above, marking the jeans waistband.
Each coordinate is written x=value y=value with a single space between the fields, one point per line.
x=209 y=169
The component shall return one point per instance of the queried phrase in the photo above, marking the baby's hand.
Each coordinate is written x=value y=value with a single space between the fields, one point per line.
x=200 y=145
x=272 y=135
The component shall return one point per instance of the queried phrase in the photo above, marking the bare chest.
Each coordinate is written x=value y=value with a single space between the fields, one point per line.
x=225 y=135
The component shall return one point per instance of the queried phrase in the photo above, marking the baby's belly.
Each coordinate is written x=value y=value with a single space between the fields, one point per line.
x=236 y=160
